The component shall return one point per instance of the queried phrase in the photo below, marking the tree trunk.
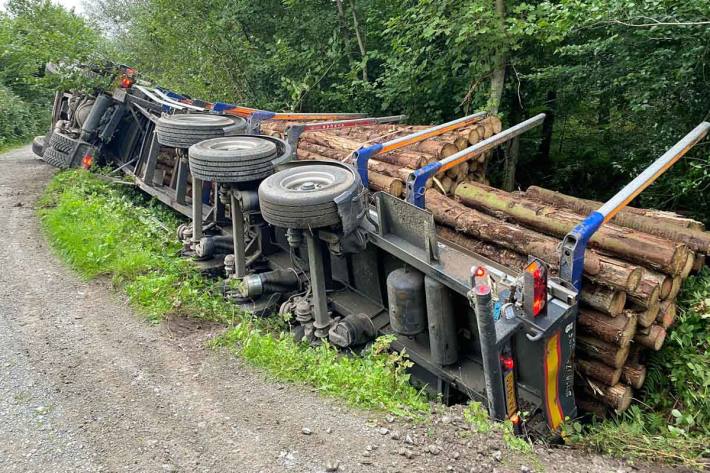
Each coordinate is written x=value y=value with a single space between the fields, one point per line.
x=547 y=129
x=514 y=237
x=599 y=371
x=604 y=299
x=360 y=41
x=652 y=337
x=634 y=374
x=618 y=397
x=656 y=223
x=617 y=330
x=667 y=314
x=608 y=353
x=498 y=76
x=635 y=246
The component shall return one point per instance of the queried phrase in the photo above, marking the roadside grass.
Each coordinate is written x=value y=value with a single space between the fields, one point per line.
x=672 y=420
x=102 y=230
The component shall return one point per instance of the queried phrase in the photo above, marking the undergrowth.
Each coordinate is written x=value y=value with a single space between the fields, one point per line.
x=672 y=420
x=101 y=230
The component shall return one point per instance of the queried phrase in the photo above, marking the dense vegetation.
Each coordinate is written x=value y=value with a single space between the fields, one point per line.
x=32 y=34
x=620 y=80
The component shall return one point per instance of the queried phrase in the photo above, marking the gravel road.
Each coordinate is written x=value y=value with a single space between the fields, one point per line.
x=87 y=385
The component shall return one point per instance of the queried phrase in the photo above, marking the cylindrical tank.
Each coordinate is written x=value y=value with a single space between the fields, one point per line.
x=407 y=306
x=442 y=324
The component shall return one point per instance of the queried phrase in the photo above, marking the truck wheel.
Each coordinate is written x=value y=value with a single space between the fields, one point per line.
x=184 y=130
x=38 y=145
x=61 y=143
x=302 y=196
x=57 y=158
x=232 y=159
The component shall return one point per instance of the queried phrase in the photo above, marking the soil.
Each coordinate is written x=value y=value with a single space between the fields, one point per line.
x=88 y=385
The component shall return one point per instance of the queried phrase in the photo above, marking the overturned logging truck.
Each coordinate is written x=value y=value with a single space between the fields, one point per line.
x=358 y=227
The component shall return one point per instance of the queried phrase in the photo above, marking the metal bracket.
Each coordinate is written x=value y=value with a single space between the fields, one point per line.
x=408 y=223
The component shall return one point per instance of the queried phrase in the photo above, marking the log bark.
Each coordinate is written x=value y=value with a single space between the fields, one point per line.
x=347 y=146
x=505 y=257
x=634 y=375
x=676 y=286
x=699 y=262
x=591 y=406
x=665 y=282
x=617 y=330
x=646 y=294
x=514 y=237
x=654 y=222
x=630 y=244
x=608 y=353
x=604 y=299
x=646 y=318
x=688 y=268
x=599 y=371
x=667 y=314
x=618 y=396
x=653 y=339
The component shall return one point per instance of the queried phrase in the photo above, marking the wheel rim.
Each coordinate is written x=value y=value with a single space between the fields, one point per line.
x=240 y=143
x=310 y=181
x=189 y=119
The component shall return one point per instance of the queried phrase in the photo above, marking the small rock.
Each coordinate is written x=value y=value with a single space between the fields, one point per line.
x=366 y=454
x=328 y=430
x=402 y=451
x=525 y=469
x=389 y=418
x=334 y=466
x=306 y=431
x=369 y=448
x=366 y=462
x=409 y=454
x=384 y=431
x=498 y=455
x=446 y=420
x=408 y=440
x=433 y=449
x=456 y=455
x=449 y=468
x=395 y=436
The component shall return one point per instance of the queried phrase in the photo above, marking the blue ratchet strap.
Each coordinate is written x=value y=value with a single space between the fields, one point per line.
x=362 y=156
x=416 y=183
x=571 y=269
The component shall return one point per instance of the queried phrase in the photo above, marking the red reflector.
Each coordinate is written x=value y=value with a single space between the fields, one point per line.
x=515 y=419
x=87 y=161
x=507 y=362
x=539 y=279
x=126 y=83
x=480 y=272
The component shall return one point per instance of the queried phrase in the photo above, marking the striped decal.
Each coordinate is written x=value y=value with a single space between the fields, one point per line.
x=553 y=355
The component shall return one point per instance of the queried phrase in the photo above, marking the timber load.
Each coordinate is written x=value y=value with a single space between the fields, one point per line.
x=634 y=267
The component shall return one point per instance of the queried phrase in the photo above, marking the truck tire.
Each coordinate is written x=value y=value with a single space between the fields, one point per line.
x=303 y=196
x=232 y=159
x=61 y=143
x=184 y=130
x=57 y=158
x=38 y=145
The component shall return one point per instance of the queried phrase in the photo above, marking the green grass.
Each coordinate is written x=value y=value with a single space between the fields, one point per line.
x=102 y=230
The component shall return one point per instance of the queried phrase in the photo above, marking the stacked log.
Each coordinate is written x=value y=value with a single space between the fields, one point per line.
x=634 y=266
x=339 y=144
x=617 y=323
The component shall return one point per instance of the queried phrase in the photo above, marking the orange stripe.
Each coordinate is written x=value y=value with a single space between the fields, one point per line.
x=553 y=355
x=446 y=129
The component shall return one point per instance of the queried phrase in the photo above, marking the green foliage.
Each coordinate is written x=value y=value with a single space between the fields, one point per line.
x=32 y=34
x=103 y=230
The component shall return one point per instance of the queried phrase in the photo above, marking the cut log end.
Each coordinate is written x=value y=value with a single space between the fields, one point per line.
x=653 y=339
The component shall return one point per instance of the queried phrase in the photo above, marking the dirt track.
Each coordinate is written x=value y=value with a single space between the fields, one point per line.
x=86 y=385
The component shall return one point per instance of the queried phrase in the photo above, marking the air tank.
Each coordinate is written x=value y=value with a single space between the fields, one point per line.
x=407 y=306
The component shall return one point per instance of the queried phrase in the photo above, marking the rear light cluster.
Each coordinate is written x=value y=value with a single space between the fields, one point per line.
x=535 y=288
x=128 y=78
x=87 y=161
